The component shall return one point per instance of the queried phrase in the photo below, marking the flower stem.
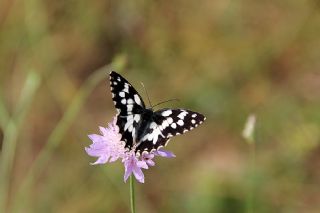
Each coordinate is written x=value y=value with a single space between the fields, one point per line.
x=251 y=196
x=132 y=198
x=249 y=135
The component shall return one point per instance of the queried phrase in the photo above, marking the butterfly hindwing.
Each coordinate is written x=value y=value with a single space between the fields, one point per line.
x=178 y=121
x=167 y=123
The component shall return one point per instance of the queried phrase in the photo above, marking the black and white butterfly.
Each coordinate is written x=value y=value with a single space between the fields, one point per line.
x=142 y=129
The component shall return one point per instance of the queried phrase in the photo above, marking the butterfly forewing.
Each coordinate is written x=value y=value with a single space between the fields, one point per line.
x=126 y=99
x=129 y=105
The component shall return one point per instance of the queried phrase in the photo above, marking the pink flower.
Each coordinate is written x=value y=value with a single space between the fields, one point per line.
x=148 y=159
x=108 y=147
x=133 y=165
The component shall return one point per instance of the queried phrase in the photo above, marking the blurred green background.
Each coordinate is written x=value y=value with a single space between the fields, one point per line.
x=223 y=58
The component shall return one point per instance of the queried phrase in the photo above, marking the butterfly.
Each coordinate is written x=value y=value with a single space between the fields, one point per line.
x=142 y=129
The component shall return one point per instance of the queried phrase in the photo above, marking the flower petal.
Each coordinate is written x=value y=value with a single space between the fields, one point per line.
x=138 y=174
x=114 y=158
x=97 y=149
x=101 y=160
x=150 y=162
x=128 y=171
x=104 y=131
x=96 y=138
x=142 y=164
x=164 y=153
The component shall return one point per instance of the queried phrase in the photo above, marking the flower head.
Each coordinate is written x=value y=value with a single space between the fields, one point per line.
x=248 y=131
x=108 y=147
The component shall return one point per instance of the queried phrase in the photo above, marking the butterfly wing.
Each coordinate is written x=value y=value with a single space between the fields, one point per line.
x=129 y=105
x=166 y=124
x=125 y=98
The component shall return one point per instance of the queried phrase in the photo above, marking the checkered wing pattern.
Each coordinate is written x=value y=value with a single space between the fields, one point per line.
x=143 y=129
x=129 y=105
x=167 y=123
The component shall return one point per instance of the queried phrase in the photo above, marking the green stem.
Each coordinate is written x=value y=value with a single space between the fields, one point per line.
x=132 y=198
x=11 y=132
x=251 y=198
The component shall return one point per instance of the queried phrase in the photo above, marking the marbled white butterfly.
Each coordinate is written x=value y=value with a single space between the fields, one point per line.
x=143 y=129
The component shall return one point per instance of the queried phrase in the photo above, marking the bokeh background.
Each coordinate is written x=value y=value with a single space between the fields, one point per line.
x=226 y=59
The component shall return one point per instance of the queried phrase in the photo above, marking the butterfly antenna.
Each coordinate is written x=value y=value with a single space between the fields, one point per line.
x=146 y=94
x=174 y=99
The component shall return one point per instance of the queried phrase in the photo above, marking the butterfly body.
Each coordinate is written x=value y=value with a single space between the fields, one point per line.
x=141 y=128
x=146 y=118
